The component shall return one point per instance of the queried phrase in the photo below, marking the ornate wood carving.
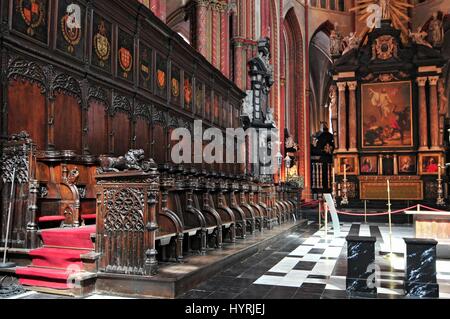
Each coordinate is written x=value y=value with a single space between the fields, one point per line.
x=20 y=69
x=99 y=94
x=121 y=104
x=66 y=84
x=143 y=110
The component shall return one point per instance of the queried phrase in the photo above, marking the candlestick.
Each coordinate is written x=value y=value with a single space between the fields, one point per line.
x=334 y=176
x=440 y=191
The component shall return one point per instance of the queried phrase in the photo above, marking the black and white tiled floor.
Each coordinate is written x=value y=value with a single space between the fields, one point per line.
x=304 y=264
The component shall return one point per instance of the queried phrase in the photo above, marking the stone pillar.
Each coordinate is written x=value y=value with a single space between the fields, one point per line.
x=224 y=40
x=352 y=119
x=342 y=117
x=214 y=40
x=238 y=70
x=434 y=112
x=201 y=16
x=423 y=118
x=420 y=275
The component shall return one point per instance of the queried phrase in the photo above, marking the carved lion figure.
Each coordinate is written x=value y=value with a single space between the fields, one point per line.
x=132 y=160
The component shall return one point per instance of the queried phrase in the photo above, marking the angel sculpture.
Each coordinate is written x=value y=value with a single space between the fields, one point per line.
x=419 y=37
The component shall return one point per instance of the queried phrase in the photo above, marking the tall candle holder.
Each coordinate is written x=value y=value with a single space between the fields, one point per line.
x=440 y=191
x=344 y=200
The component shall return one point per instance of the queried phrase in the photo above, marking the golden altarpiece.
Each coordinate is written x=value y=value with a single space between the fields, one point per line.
x=388 y=110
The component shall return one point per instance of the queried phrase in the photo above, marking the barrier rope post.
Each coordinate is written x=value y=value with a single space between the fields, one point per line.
x=320 y=219
x=325 y=210
x=389 y=212
x=365 y=211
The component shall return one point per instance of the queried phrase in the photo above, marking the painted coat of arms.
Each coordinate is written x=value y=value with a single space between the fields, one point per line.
x=175 y=87
x=187 y=92
x=125 y=61
x=161 y=79
x=145 y=65
x=71 y=26
x=101 y=44
x=33 y=14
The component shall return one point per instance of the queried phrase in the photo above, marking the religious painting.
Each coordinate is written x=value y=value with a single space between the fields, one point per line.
x=386 y=110
x=429 y=163
x=145 y=66
x=161 y=76
x=369 y=164
x=188 y=92
x=199 y=98
x=407 y=164
x=175 y=84
x=101 y=43
x=71 y=18
x=30 y=17
x=348 y=163
x=125 y=56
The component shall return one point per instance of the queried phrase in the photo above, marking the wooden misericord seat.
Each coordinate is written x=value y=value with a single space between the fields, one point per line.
x=170 y=233
x=193 y=221
x=212 y=217
x=261 y=198
x=259 y=212
x=232 y=203
x=219 y=203
x=250 y=214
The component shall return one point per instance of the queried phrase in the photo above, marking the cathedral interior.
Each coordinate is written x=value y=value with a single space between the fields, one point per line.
x=225 y=149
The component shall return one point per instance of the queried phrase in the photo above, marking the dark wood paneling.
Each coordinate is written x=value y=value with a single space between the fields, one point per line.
x=26 y=111
x=67 y=121
x=97 y=133
x=120 y=130
x=142 y=133
x=159 y=144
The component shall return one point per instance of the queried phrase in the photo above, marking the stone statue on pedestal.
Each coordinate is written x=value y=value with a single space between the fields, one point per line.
x=436 y=31
x=256 y=110
x=335 y=42
x=352 y=41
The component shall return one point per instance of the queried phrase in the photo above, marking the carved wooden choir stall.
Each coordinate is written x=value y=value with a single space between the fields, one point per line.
x=87 y=120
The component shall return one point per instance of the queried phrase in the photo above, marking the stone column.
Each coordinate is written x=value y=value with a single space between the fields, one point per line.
x=214 y=40
x=238 y=69
x=352 y=119
x=201 y=16
x=423 y=118
x=342 y=117
x=434 y=112
x=224 y=40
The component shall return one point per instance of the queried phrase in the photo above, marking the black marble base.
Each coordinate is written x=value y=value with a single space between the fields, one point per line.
x=361 y=265
x=420 y=274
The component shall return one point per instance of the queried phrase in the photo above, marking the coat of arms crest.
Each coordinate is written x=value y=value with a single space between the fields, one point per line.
x=71 y=27
x=161 y=79
x=125 y=61
x=145 y=66
x=33 y=13
x=175 y=87
x=101 y=44
x=187 y=92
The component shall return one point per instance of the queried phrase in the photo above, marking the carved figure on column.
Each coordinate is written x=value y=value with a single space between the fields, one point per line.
x=333 y=101
x=436 y=31
x=256 y=110
x=443 y=109
x=335 y=42
x=352 y=41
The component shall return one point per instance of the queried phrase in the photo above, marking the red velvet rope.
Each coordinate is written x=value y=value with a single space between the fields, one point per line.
x=387 y=213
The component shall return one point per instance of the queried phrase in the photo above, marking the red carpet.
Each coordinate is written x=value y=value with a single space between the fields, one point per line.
x=52 y=265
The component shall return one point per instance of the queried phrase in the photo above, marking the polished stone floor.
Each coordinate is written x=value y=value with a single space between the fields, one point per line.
x=305 y=264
